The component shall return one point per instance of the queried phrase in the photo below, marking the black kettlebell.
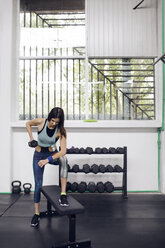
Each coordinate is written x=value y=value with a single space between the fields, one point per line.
x=27 y=187
x=16 y=187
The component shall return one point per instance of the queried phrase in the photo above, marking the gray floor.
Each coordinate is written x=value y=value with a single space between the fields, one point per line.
x=109 y=221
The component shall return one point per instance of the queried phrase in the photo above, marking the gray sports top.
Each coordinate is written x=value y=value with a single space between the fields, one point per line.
x=44 y=140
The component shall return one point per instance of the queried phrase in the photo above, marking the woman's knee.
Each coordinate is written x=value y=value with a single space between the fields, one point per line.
x=64 y=166
x=63 y=161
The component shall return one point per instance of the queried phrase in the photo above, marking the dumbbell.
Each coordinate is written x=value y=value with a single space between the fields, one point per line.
x=75 y=168
x=86 y=168
x=109 y=187
x=73 y=186
x=89 y=150
x=68 y=186
x=100 y=187
x=117 y=168
x=95 y=168
x=33 y=143
x=120 y=150
x=70 y=150
x=102 y=168
x=98 y=150
x=82 y=187
x=16 y=187
x=82 y=150
x=91 y=187
x=76 y=150
x=112 y=150
x=109 y=168
x=105 y=150
x=27 y=187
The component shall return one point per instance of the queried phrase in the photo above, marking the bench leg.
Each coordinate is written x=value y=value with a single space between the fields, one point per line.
x=72 y=243
x=80 y=244
x=72 y=228
x=49 y=211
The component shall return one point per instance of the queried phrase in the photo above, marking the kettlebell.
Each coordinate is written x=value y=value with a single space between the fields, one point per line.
x=16 y=187
x=27 y=187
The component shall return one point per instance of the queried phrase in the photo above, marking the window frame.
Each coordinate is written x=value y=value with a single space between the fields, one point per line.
x=157 y=123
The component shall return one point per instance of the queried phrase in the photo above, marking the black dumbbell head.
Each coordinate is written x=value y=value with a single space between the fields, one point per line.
x=100 y=187
x=76 y=150
x=73 y=186
x=109 y=187
x=98 y=150
x=82 y=187
x=82 y=150
x=71 y=150
x=109 y=168
x=120 y=150
x=112 y=150
x=95 y=168
x=89 y=150
x=75 y=168
x=33 y=143
x=105 y=150
x=86 y=168
x=91 y=187
x=102 y=168
x=117 y=168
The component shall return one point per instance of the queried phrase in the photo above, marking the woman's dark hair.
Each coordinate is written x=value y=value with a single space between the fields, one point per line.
x=58 y=113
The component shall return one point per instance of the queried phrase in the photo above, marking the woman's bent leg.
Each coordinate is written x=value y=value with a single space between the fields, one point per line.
x=63 y=162
x=63 y=173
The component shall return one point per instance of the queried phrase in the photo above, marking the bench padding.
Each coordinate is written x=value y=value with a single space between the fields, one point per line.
x=52 y=193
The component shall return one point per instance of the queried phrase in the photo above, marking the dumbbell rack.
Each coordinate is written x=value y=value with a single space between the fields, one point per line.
x=123 y=188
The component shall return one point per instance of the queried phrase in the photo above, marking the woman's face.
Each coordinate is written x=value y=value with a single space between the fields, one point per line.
x=54 y=122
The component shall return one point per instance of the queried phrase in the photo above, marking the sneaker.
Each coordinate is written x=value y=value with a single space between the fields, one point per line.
x=35 y=220
x=63 y=201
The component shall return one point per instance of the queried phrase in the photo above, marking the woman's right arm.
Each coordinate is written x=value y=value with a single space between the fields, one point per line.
x=36 y=122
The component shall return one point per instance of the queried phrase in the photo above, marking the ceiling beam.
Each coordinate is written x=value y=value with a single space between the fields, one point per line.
x=52 y=6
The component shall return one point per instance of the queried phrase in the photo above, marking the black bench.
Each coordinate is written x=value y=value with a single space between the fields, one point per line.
x=52 y=194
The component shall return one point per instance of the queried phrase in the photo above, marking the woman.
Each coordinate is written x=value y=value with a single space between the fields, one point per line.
x=49 y=131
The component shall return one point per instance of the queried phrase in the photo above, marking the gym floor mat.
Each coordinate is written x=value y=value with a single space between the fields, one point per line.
x=109 y=221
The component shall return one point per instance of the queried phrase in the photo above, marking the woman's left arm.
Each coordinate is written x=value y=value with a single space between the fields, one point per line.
x=62 y=152
x=59 y=154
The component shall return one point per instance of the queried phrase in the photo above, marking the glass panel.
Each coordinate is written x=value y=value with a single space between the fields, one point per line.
x=52 y=65
x=126 y=89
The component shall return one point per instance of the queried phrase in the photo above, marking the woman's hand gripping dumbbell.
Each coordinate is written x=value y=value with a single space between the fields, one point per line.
x=33 y=143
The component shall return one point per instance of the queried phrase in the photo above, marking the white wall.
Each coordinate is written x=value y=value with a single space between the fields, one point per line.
x=115 y=29
x=142 y=156
x=160 y=52
x=16 y=156
x=6 y=58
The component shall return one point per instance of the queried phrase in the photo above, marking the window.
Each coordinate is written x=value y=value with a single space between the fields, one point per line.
x=53 y=70
x=122 y=89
